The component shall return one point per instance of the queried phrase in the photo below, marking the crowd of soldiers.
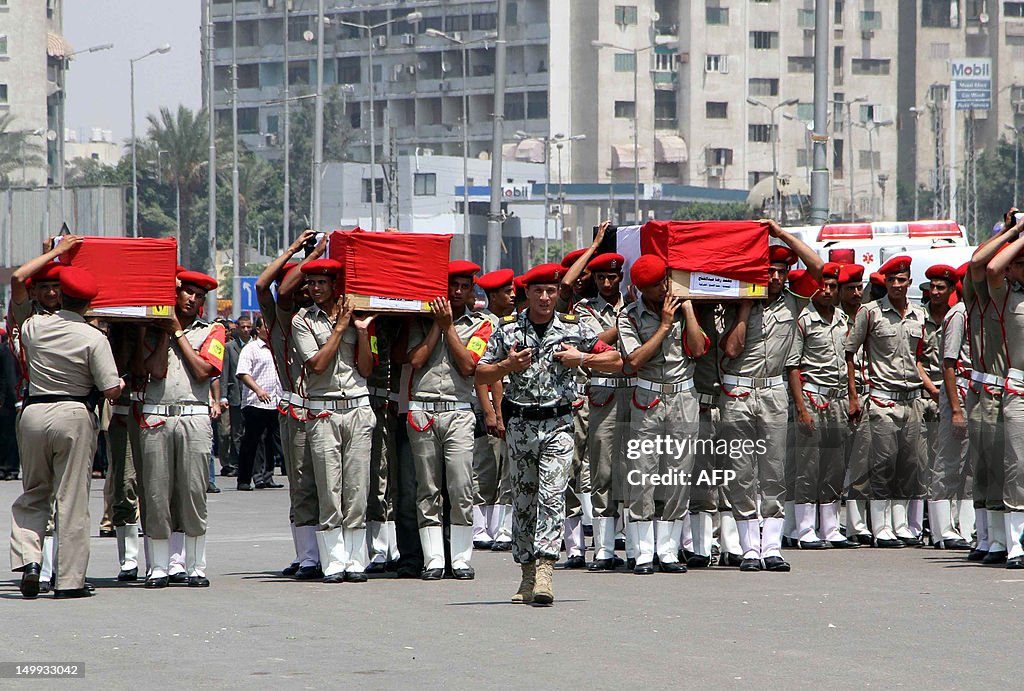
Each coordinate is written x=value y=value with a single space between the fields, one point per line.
x=685 y=433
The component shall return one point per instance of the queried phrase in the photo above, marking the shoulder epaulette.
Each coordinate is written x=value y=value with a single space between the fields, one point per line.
x=570 y=318
x=508 y=319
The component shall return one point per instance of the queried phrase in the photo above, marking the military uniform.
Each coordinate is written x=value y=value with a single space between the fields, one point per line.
x=818 y=353
x=539 y=431
x=985 y=417
x=339 y=434
x=302 y=493
x=950 y=469
x=892 y=342
x=665 y=405
x=176 y=436
x=66 y=359
x=755 y=406
x=1008 y=303
x=608 y=399
x=125 y=478
x=441 y=426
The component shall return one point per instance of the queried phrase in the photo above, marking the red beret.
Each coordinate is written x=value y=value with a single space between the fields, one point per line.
x=78 y=283
x=461 y=267
x=50 y=272
x=961 y=273
x=803 y=284
x=496 y=279
x=518 y=283
x=851 y=273
x=877 y=279
x=780 y=254
x=895 y=265
x=178 y=269
x=544 y=273
x=609 y=261
x=831 y=270
x=199 y=279
x=647 y=271
x=570 y=259
x=942 y=272
x=322 y=267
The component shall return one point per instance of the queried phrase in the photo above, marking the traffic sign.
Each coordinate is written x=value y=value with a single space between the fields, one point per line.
x=247 y=286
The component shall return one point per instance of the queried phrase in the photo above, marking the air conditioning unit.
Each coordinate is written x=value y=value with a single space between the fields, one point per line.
x=723 y=65
x=867 y=35
x=271 y=4
x=716 y=171
x=408 y=39
x=411 y=69
x=396 y=72
x=1018 y=108
x=381 y=41
x=444 y=86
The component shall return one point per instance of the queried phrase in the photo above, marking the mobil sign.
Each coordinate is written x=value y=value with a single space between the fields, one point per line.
x=971 y=81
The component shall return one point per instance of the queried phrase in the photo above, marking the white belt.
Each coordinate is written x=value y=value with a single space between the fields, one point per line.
x=438 y=406
x=897 y=396
x=826 y=392
x=176 y=410
x=613 y=382
x=120 y=410
x=963 y=382
x=754 y=382
x=337 y=404
x=1016 y=376
x=294 y=399
x=988 y=379
x=658 y=387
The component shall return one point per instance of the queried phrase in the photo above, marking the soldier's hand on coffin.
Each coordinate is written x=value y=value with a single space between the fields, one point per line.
x=774 y=229
x=171 y=325
x=320 y=249
x=442 y=311
x=601 y=230
x=568 y=356
x=668 y=310
x=520 y=360
x=67 y=242
x=363 y=323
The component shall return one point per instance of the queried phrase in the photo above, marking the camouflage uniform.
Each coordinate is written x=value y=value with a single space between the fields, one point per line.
x=540 y=450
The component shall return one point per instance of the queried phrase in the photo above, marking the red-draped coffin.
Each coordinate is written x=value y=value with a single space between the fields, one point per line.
x=733 y=249
x=130 y=272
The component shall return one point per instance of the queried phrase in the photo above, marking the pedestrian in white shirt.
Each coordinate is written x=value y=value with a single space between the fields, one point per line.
x=261 y=392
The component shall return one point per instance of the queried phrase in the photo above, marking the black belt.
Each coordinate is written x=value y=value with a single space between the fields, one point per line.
x=537 y=412
x=58 y=398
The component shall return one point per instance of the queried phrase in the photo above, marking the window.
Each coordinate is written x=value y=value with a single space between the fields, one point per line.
x=457 y=22
x=273 y=124
x=625 y=109
x=1016 y=94
x=424 y=184
x=222 y=35
x=718 y=157
x=716 y=110
x=805 y=19
x=298 y=73
x=625 y=15
x=801 y=63
x=764 y=40
x=939 y=14
x=3 y=45
x=379 y=189
x=248 y=120
x=485 y=22
x=938 y=51
x=248 y=76
x=756 y=176
x=248 y=34
x=665 y=110
x=515 y=106
x=537 y=105
x=512 y=14
x=869 y=159
x=805 y=112
x=759 y=86
x=1013 y=9
x=760 y=133
x=837 y=65
x=938 y=92
x=716 y=63
x=625 y=62
x=3 y=94
x=867 y=112
x=804 y=158
x=349 y=71
x=716 y=15
x=435 y=23
x=296 y=28
x=877 y=66
x=837 y=158
x=838 y=111
x=837 y=13
x=870 y=20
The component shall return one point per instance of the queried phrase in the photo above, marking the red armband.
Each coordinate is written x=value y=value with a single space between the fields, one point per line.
x=212 y=350
x=477 y=343
x=600 y=347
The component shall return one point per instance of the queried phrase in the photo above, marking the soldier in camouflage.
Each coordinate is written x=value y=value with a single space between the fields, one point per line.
x=539 y=352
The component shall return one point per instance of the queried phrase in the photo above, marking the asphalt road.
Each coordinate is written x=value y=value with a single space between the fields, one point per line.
x=863 y=618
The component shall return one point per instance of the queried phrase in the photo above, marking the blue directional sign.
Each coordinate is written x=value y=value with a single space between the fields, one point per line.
x=247 y=285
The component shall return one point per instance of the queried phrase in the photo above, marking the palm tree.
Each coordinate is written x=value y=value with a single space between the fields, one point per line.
x=177 y=145
x=18 y=150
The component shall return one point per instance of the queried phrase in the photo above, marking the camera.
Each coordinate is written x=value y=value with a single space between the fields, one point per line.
x=311 y=243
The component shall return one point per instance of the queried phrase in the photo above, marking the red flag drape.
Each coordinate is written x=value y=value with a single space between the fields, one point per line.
x=733 y=249
x=409 y=266
x=130 y=272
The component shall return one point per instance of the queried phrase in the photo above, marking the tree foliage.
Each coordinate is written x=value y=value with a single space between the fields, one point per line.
x=712 y=211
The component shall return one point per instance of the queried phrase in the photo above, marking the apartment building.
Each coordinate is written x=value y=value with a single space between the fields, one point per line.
x=32 y=58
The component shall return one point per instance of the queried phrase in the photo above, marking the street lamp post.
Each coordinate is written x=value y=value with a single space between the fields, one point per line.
x=1016 y=158
x=135 y=175
x=463 y=45
x=871 y=128
x=558 y=140
x=659 y=41
x=917 y=113
x=774 y=136
x=412 y=17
